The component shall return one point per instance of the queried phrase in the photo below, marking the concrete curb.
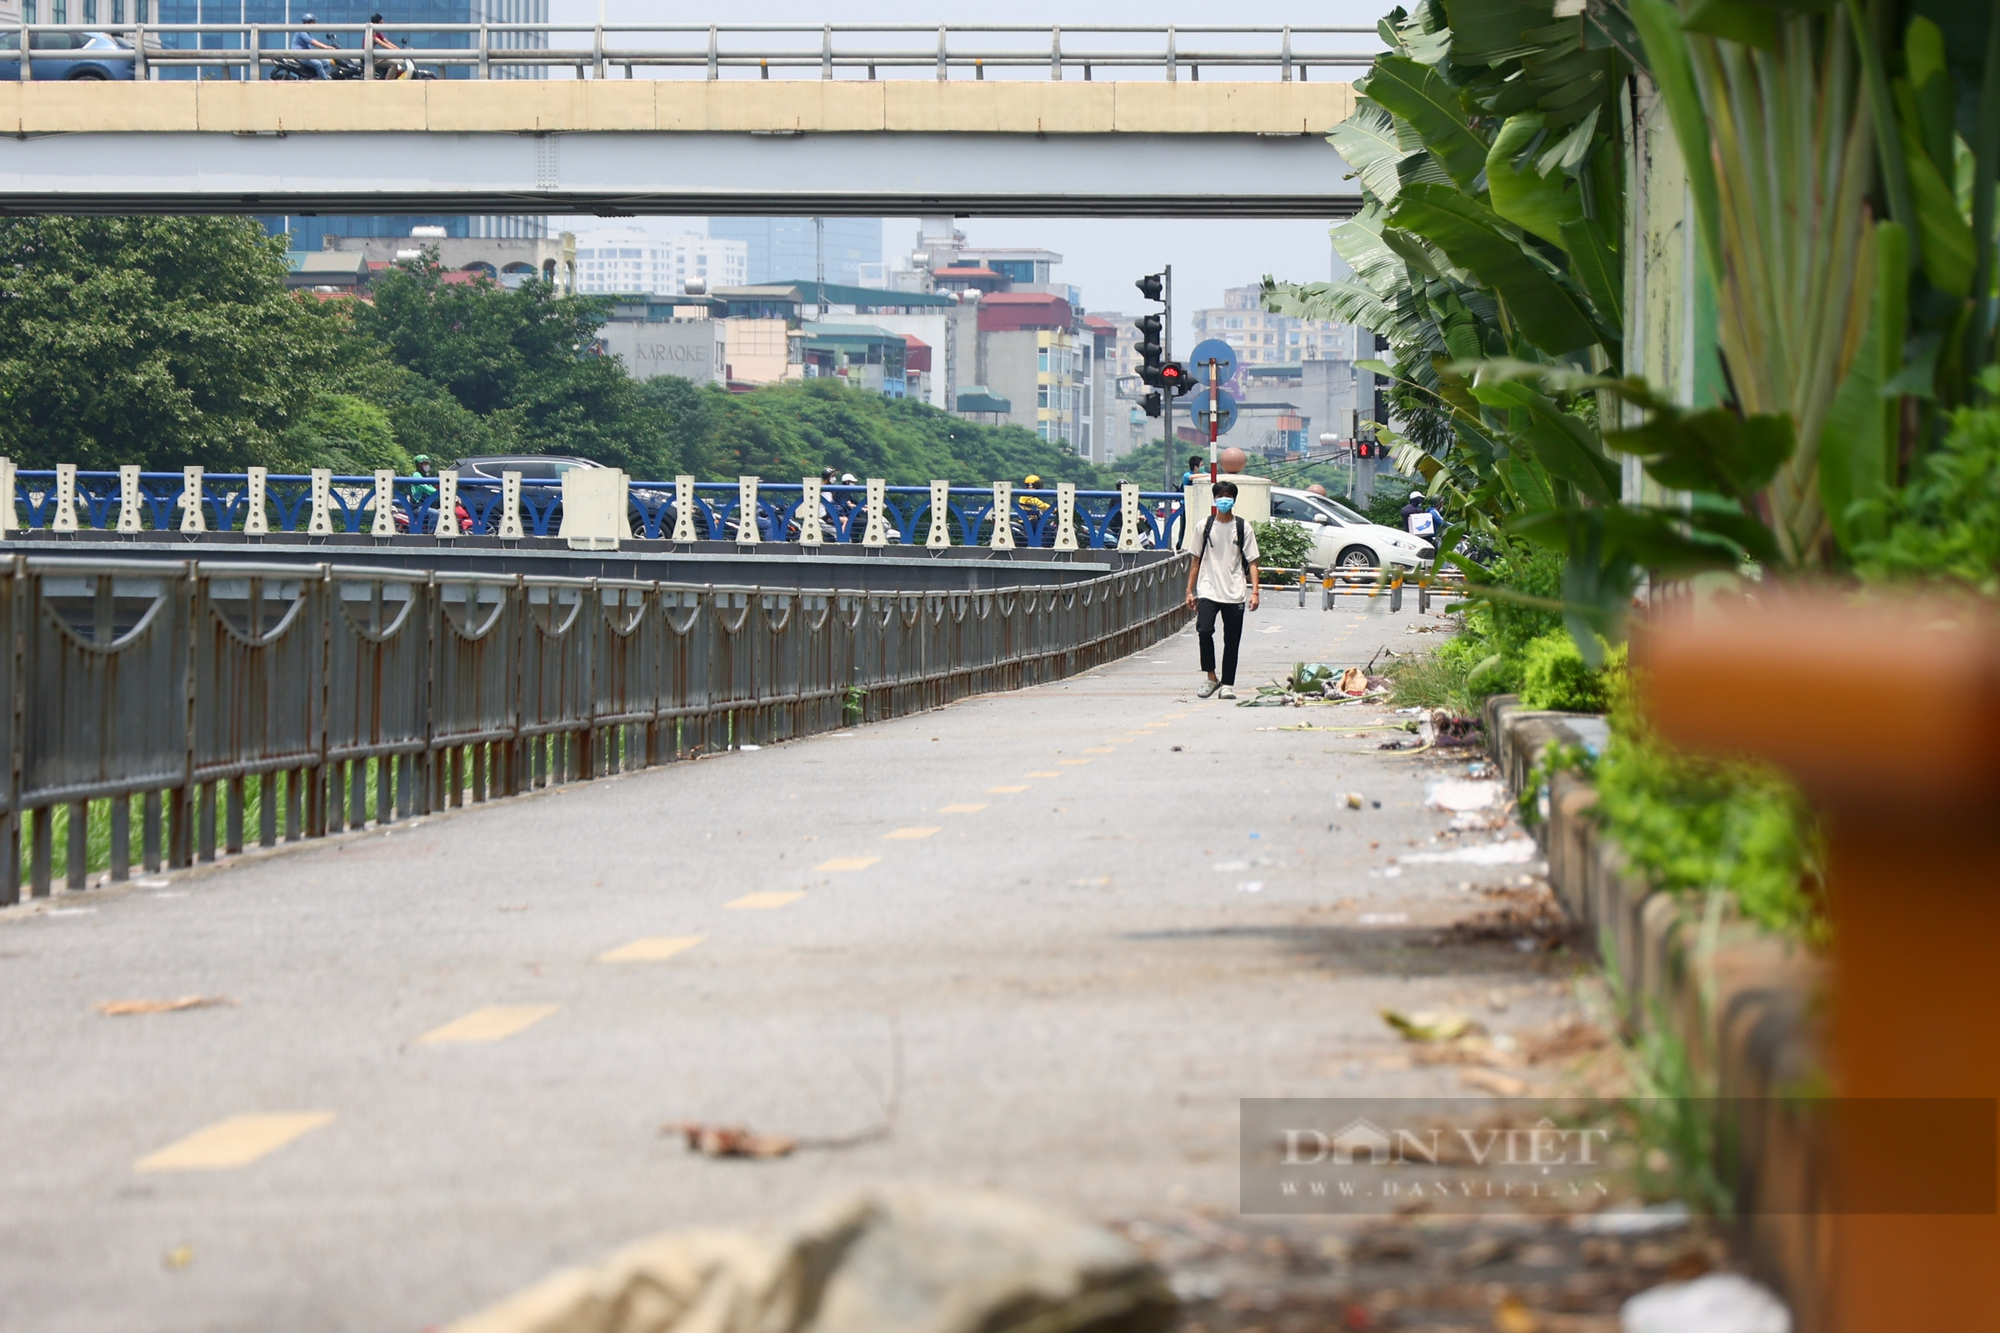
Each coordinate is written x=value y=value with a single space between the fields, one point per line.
x=1750 y=1012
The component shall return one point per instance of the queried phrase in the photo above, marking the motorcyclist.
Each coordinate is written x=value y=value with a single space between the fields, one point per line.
x=1421 y=518
x=387 y=67
x=305 y=41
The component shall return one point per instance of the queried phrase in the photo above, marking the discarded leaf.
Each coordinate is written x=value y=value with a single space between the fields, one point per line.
x=730 y=1140
x=1353 y=800
x=1428 y=1026
x=119 y=1008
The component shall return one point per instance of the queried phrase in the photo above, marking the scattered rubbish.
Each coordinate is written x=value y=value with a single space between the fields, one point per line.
x=1513 y=851
x=1717 y=1303
x=1271 y=629
x=1458 y=794
x=1353 y=800
x=730 y=1140
x=149 y=883
x=1496 y=1001
x=942 y=1259
x=1652 y=1220
x=177 y=1258
x=1469 y=821
x=1510 y=1316
x=1426 y=1027
x=120 y=1008
x=1256 y=835
x=1250 y=886
x=1392 y=872
x=759 y=747
x=1354 y=681
x=1383 y=919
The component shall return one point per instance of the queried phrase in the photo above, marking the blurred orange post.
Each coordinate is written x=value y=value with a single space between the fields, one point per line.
x=1889 y=718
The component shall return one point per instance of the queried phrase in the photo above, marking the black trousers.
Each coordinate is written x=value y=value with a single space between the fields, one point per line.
x=1232 y=635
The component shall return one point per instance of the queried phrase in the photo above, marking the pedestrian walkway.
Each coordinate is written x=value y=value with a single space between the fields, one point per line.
x=1042 y=941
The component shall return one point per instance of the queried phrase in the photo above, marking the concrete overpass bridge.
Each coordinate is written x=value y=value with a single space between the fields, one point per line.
x=1156 y=140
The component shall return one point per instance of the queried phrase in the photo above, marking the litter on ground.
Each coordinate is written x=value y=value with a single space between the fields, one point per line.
x=1514 y=851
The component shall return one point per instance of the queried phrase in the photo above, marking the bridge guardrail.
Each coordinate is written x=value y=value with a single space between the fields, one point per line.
x=307 y=698
x=712 y=51
x=193 y=501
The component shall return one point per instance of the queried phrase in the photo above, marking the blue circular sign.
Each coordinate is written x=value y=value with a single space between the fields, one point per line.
x=1225 y=411
x=1218 y=351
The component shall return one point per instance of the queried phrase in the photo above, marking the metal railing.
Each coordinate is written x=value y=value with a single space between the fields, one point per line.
x=244 y=703
x=67 y=499
x=748 y=50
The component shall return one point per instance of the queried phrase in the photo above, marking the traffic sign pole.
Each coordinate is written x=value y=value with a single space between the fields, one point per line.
x=1167 y=442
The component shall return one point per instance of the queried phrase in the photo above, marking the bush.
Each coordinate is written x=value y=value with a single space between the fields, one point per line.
x=1282 y=544
x=1555 y=676
x=1694 y=824
x=1948 y=526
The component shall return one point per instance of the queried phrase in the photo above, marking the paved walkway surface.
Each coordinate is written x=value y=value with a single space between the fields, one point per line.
x=1061 y=931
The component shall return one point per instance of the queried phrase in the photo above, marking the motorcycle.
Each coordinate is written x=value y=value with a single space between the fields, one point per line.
x=301 y=69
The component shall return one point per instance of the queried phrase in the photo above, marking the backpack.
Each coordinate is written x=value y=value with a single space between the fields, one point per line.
x=1209 y=527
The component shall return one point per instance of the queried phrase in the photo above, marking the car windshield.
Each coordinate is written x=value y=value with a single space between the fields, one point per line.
x=1343 y=511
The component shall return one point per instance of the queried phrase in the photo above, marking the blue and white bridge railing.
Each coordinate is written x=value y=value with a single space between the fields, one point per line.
x=584 y=507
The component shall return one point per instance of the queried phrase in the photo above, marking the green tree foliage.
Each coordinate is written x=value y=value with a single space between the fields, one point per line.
x=516 y=360
x=348 y=434
x=158 y=341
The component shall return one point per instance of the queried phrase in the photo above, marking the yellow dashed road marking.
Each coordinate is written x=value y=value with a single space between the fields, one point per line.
x=1006 y=789
x=1053 y=773
x=237 y=1141
x=759 y=902
x=961 y=809
x=840 y=863
x=1072 y=763
x=491 y=1023
x=907 y=834
x=653 y=949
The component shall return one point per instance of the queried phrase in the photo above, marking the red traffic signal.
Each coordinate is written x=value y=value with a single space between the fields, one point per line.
x=1175 y=376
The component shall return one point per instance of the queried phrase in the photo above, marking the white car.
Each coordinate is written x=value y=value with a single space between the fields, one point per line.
x=1344 y=538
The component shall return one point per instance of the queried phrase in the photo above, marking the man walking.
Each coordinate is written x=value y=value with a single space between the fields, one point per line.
x=1222 y=577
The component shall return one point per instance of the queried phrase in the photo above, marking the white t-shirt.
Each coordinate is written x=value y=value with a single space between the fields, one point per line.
x=1223 y=577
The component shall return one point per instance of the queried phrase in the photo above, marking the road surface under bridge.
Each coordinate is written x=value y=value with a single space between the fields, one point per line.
x=1081 y=920
x=660 y=146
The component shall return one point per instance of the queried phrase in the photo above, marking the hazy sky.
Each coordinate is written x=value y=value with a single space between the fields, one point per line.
x=1100 y=256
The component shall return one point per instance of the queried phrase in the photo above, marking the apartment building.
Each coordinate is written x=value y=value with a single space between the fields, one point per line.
x=633 y=262
x=1260 y=338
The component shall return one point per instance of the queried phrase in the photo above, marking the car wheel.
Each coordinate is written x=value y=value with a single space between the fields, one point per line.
x=87 y=76
x=1357 y=557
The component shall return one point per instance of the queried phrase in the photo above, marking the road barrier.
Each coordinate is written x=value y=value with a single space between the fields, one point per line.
x=313 y=698
x=255 y=503
x=253 y=50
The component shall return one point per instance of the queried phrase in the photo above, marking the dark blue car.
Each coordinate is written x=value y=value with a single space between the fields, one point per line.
x=66 y=55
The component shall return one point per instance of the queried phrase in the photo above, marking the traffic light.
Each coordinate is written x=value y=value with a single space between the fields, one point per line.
x=1148 y=348
x=1151 y=286
x=1363 y=449
x=1174 y=376
x=1151 y=402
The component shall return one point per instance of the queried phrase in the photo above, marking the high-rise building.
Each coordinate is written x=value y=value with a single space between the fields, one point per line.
x=788 y=249
x=1260 y=338
x=402 y=21
x=632 y=262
